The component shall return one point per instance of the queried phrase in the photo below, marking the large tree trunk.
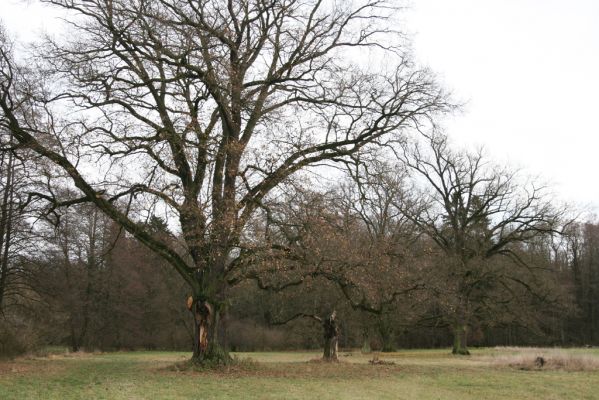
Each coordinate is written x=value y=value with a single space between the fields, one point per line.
x=207 y=346
x=460 y=335
x=331 y=338
x=73 y=340
x=366 y=341
x=387 y=336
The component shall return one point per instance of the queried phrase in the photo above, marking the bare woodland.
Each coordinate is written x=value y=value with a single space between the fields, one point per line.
x=244 y=158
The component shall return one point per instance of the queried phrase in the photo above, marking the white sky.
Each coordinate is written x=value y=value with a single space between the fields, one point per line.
x=528 y=71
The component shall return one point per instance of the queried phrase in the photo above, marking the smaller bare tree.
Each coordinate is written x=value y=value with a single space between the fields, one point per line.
x=363 y=250
x=475 y=212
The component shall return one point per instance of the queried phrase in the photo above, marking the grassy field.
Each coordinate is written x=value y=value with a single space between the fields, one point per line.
x=422 y=374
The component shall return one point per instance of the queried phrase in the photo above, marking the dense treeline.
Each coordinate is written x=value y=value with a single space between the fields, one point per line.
x=186 y=172
x=74 y=278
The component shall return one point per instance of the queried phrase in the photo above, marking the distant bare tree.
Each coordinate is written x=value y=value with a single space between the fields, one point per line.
x=71 y=274
x=202 y=108
x=8 y=211
x=475 y=212
x=330 y=331
x=355 y=239
x=16 y=237
x=393 y=256
x=582 y=258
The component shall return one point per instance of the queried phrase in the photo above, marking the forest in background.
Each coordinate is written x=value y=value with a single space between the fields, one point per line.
x=75 y=278
x=279 y=168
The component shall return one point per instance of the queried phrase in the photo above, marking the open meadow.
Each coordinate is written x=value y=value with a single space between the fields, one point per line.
x=500 y=373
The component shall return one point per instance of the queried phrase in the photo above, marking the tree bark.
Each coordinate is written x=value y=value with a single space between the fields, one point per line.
x=207 y=347
x=6 y=216
x=331 y=338
x=387 y=336
x=460 y=335
x=73 y=340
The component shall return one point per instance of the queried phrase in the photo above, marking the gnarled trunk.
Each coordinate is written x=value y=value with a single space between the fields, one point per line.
x=460 y=335
x=330 y=349
x=331 y=338
x=206 y=345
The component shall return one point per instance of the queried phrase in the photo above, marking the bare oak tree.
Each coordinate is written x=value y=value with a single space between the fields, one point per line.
x=357 y=241
x=202 y=108
x=474 y=212
x=16 y=238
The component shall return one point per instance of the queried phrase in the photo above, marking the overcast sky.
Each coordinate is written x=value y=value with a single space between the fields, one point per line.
x=528 y=71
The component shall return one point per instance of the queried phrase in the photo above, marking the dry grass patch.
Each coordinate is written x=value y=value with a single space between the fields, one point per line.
x=537 y=359
x=28 y=366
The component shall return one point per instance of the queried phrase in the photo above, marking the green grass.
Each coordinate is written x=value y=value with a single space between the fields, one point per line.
x=422 y=374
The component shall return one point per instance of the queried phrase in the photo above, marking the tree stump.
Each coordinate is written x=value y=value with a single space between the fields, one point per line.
x=540 y=362
x=331 y=338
